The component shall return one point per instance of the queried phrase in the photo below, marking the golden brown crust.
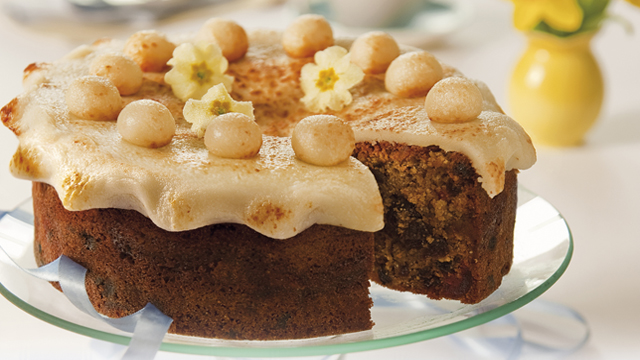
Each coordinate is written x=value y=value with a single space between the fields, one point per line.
x=33 y=67
x=26 y=163
x=9 y=118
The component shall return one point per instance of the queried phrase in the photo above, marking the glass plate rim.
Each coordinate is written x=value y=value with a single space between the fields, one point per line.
x=313 y=350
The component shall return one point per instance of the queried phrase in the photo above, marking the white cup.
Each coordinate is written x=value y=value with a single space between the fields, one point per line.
x=373 y=13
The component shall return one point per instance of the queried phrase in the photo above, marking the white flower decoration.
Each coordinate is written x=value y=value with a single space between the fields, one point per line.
x=196 y=69
x=326 y=83
x=215 y=102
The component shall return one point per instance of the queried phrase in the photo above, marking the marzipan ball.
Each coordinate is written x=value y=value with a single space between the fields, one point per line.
x=374 y=51
x=323 y=140
x=146 y=123
x=454 y=100
x=413 y=74
x=307 y=35
x=121 y=70
x=93 y=98
x=150 y=49
x=228 y=35
x=233 y=136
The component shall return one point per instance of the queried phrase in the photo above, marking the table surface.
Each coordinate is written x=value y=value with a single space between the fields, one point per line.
x=594 y=186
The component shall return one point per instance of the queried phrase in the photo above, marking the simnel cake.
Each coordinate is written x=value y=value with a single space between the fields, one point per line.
x=251 y=185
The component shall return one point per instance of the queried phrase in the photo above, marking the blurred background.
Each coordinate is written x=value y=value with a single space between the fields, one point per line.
x=593 y=183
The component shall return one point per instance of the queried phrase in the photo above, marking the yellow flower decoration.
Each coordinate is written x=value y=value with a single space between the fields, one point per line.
x=215 y=102
x=326 y=83
x=196 y=69
x=563 y=15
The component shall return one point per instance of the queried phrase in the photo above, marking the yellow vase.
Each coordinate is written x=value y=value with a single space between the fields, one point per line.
x=556 y=89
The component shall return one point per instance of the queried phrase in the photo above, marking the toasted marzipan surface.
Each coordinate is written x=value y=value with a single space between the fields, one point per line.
x=181 y=186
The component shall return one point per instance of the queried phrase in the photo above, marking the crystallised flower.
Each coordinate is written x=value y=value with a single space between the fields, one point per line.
x=215 y=102
x=196 y=69
x=326 y=83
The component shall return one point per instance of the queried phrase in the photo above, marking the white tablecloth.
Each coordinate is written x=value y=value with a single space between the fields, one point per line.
x=595 y=186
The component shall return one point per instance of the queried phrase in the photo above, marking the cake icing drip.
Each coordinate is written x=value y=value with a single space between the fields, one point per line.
x=182 y=186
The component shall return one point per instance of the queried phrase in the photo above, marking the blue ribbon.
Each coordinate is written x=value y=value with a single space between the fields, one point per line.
x=521 y=344
x=148 y=326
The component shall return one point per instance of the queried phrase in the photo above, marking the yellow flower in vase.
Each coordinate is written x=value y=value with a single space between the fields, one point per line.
x=562 y=15
x=215 y=102
x=196 y=69
x=326 y=83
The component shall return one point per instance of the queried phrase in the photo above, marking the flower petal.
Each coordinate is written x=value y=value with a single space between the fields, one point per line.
x=308 y=76
x=186 y=53
x=327 y=57
x=563 y=15
x=352 y=77
x=324 y=98
x=209 y=64
x=199 y=90
x=527 y=14
x=342 y=64
x=243 y=107
x=335 y=95
x=312 y=103
x=216 y=92
x=339 y=99
x=197 y=113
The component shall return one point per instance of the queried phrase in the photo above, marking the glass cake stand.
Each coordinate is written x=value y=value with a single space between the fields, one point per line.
x=543 y=249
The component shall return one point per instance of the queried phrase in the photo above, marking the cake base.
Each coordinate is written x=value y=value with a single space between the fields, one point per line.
x=223 y=281
x=443 y=235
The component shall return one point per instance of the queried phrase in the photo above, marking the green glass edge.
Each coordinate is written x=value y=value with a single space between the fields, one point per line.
x=312 y=350
x=67 y=325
